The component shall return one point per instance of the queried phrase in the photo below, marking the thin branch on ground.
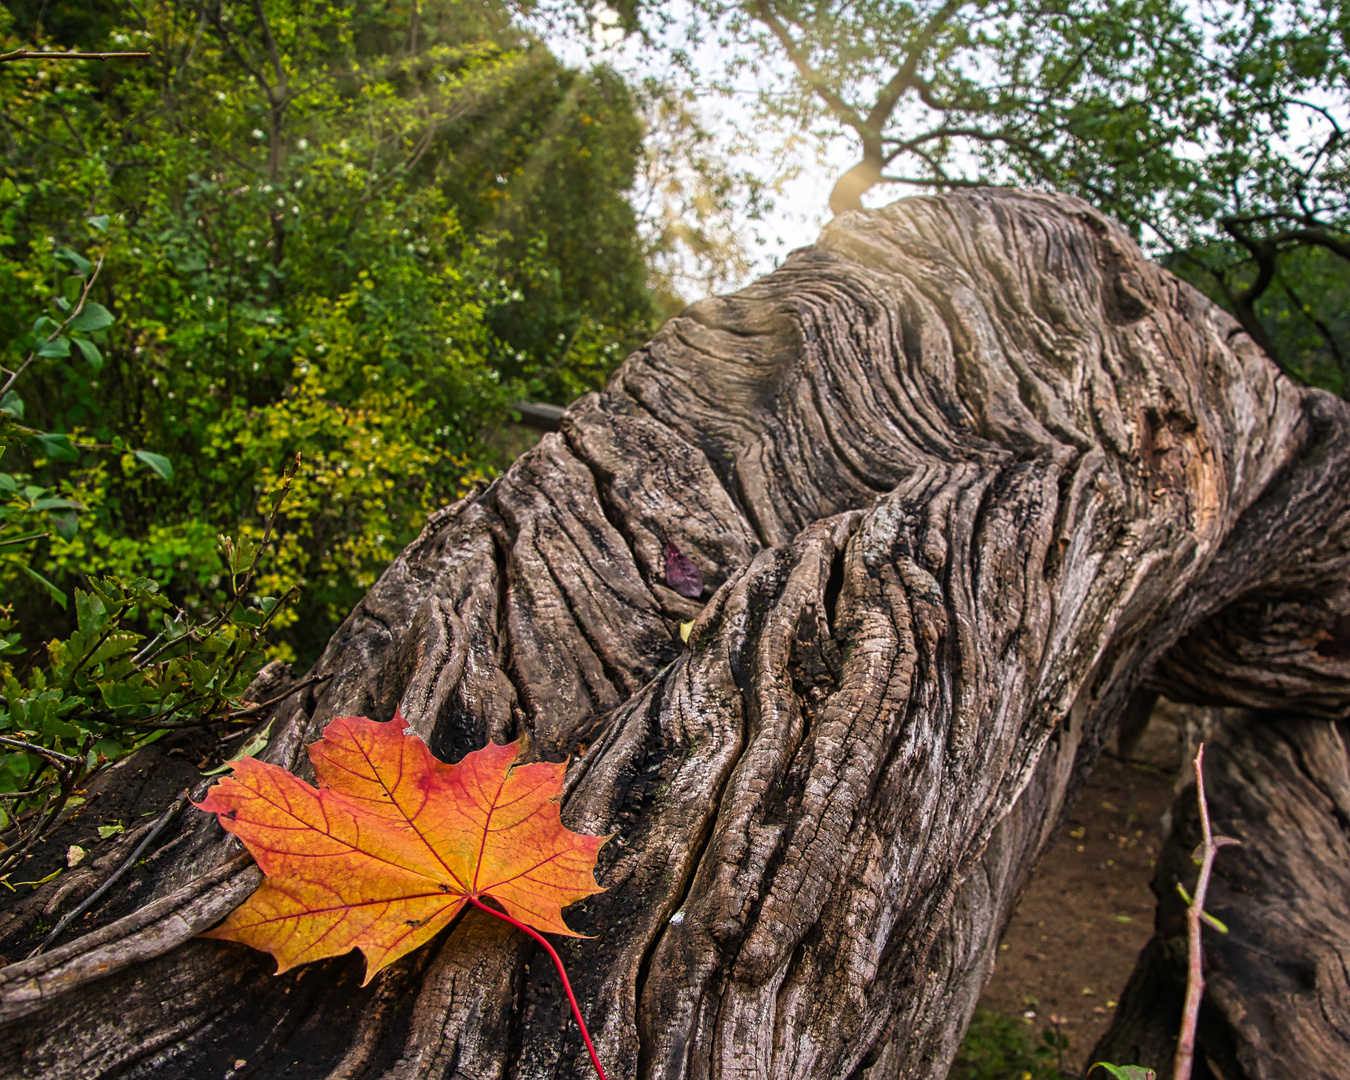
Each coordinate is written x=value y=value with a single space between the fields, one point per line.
x=127 y=864
x=1195 y=915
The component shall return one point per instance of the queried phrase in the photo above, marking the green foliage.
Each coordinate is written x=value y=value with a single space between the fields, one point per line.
x=577 y=274
x=1304 y=312
x=1124 y=1072
x=998 y=1047
x=336 y=229
x=1215 y=132
x=311 y=250
x=104 y=689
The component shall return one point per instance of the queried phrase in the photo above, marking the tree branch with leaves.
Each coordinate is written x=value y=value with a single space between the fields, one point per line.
x=1213 y=132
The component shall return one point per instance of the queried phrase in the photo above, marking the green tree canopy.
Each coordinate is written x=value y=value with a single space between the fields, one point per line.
x=1215 y=130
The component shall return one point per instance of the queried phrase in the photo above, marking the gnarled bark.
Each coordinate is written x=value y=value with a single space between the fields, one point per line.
x=957 y=478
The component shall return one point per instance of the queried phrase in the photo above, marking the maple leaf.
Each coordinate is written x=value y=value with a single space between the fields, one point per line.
x=393 y=844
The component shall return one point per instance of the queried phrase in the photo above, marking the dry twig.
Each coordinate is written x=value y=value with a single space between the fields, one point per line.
x=1195 y=915
x=38 y=54
x=127 y=864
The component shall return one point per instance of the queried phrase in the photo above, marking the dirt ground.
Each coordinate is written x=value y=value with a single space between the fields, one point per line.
x=1088 y=909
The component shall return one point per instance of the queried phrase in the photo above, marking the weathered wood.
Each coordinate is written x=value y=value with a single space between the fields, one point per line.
x=957 y=478
x=1277 y=995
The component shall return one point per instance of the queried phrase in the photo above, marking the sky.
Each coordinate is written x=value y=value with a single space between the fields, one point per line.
x=802 y=207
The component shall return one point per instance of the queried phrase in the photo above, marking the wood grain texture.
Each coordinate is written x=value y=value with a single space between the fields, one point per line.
x=957 y=478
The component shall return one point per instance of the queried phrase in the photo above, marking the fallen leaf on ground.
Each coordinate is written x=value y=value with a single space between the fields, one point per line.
x=392 y=844
x=681 y=573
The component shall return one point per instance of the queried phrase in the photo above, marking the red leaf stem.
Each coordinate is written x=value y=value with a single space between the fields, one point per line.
x=557 y=962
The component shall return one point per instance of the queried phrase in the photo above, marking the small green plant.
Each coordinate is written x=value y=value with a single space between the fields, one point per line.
x=136 y=665
x=1124 y=1072
x=106 y=689
x=998 y=1047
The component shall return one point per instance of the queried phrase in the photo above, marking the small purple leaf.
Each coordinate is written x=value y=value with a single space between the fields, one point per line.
x=681 y=573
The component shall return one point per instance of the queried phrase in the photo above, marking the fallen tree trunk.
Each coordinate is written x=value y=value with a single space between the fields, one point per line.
x=958 y=477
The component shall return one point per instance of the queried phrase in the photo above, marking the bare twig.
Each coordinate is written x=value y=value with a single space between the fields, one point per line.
x=24 y=539
x=135 y=660
x=1308 y=313
x=19 y=796
x=51 y=755
x=1195 y=915
x=799 y=54
x=37 y=54
x=304 y=684
x=68 y=771
x=127 y=864
x=907 y=74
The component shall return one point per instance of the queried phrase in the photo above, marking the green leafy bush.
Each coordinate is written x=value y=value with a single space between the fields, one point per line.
x=334 y=229
x=103 y=689
x=311 y=250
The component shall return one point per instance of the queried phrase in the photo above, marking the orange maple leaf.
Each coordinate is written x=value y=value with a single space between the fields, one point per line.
x=393 y=843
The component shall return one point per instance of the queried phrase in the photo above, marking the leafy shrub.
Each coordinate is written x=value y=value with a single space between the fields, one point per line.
x=104 y=689
x=323 y=268
x=362 y=245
